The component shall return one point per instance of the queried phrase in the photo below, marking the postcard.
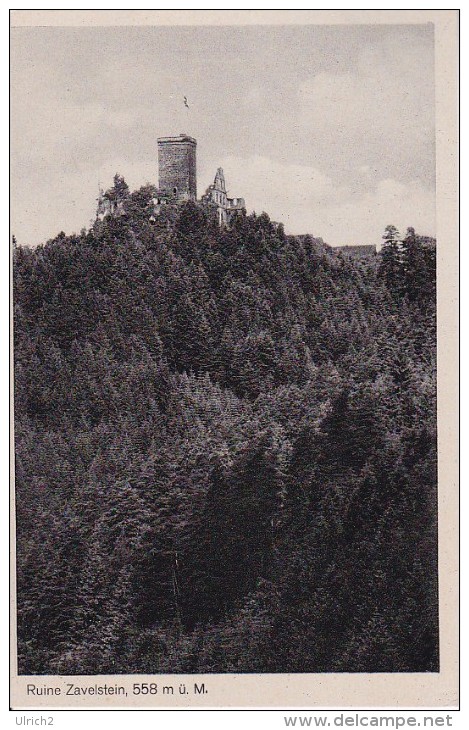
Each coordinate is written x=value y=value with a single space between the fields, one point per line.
x=234 y=326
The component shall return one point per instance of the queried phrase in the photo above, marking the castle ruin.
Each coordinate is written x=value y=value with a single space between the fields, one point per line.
x=216 y=195
x=177 y=183
x=177 y=167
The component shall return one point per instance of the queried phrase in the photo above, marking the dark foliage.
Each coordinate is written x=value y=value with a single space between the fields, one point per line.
x=225 y=450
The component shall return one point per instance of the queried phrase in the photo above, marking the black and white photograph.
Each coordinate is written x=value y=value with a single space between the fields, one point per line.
x=224 y=259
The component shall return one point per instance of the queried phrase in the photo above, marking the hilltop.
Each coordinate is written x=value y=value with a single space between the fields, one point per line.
x=225 y=450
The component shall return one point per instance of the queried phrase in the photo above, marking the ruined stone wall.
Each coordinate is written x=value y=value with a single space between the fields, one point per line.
x=177 y=166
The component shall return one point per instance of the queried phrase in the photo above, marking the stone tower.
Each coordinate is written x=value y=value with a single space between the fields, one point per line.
x=177 y=167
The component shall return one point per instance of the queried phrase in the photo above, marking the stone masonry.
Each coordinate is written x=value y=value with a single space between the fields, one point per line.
x=216 y=196
x=177 y=167
x=177 y=183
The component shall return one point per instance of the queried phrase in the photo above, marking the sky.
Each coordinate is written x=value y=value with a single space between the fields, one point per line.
x=329 y=129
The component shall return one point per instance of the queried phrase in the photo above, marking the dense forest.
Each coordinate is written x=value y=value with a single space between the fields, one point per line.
x=225 y=450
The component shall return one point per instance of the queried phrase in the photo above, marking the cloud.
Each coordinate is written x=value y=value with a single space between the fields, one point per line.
x=271 y=183
x=379 y=114
x=366 y=102
x=301 y=196
x=69 y=202
x=308 y=201
x=362 y=220
x=313 y=122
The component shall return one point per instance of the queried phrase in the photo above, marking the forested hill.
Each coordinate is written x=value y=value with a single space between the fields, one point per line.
x=225 y=451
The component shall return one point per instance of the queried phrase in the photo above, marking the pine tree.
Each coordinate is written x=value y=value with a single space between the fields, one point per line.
x=390 y=266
